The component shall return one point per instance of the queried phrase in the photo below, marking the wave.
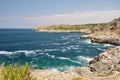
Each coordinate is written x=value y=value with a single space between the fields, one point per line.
x=64 y=38
x=48 y=50
x=65 y=58
x=65 y=43
x=26 y=52
x=87 y=41
x=107 y=45
x=60 y=68
x=56 y=43
x=51 y=56
x=63 y=50
x=84 y=58
x=101 y=49
x=6 y=52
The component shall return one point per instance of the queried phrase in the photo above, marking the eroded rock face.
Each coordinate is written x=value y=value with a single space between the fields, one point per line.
x=106 y=61
x=103 y=37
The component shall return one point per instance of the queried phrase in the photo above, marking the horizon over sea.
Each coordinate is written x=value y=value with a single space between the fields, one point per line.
x=47 y=50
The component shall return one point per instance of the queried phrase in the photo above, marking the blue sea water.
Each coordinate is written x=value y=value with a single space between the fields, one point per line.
x=44 y=50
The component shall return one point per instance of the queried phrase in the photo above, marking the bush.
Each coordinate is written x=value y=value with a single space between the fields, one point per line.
x=11 y=72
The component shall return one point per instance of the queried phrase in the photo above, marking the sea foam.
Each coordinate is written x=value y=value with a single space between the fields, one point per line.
x=84 y=58
x=65 y=58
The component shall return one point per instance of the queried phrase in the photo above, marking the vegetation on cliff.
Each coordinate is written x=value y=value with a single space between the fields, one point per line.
x=113 y=26
x=71 y=28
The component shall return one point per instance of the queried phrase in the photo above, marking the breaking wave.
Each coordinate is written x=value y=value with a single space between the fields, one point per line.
x=26 y=52
x=84 y=58
x=61 y=68
x=65 y=58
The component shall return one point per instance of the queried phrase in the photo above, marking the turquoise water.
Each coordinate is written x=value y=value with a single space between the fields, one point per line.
x=56 y=51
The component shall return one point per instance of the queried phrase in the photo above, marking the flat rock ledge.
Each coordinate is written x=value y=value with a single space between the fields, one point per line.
x=103 y=37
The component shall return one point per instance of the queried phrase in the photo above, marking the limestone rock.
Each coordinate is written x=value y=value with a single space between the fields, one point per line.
x=84 y=72
x=106 y=61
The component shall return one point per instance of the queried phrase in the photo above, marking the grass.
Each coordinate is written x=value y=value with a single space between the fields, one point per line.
x=12 y=72
x=77 y=79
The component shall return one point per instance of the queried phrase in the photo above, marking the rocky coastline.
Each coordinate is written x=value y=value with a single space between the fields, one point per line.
x=104 y=38
x=105 y=66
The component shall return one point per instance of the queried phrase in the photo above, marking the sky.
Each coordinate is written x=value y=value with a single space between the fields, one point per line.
x=33 y=13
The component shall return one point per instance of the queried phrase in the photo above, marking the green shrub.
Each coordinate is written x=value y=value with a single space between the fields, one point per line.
x=12 y=72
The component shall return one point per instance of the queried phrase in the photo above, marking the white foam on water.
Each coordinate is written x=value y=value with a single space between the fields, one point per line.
x=68 y=47
x=56 y=43
x=65 y=58
x=84 y=58
x=47 y=50
x=101 y=49
x=6 y=52
x=64 y=38
x=61 y=68
x=26 y=52
x=65 y=43
x=87 y=41
x=51 y=56
x=35 y=66
x=75 y=48
x=107 y=45
x=63 y=50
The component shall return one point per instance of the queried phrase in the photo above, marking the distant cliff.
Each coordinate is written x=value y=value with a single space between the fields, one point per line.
x=87 y=28
x=110 y=33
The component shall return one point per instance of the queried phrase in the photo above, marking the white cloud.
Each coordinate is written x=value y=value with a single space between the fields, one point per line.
x=70 y=18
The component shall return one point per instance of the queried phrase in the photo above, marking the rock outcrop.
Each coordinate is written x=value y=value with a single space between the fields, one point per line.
x=105 y=66
x=103 y=37
x=107 y=61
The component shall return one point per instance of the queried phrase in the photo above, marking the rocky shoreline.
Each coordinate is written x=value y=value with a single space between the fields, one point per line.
x=105 y=66
x=104 y=38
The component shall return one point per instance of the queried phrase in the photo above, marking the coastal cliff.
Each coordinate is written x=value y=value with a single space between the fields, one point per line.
x=110 y=34
x=87 y=28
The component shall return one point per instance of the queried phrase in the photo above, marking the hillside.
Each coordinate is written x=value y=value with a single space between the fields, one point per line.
x=69 y=28
x=112 y=26
x=109 y=34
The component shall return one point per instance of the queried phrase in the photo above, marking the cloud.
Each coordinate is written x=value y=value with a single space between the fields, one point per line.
x=70 y=18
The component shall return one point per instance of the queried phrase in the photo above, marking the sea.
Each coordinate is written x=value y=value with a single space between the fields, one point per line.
x=47 y=50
